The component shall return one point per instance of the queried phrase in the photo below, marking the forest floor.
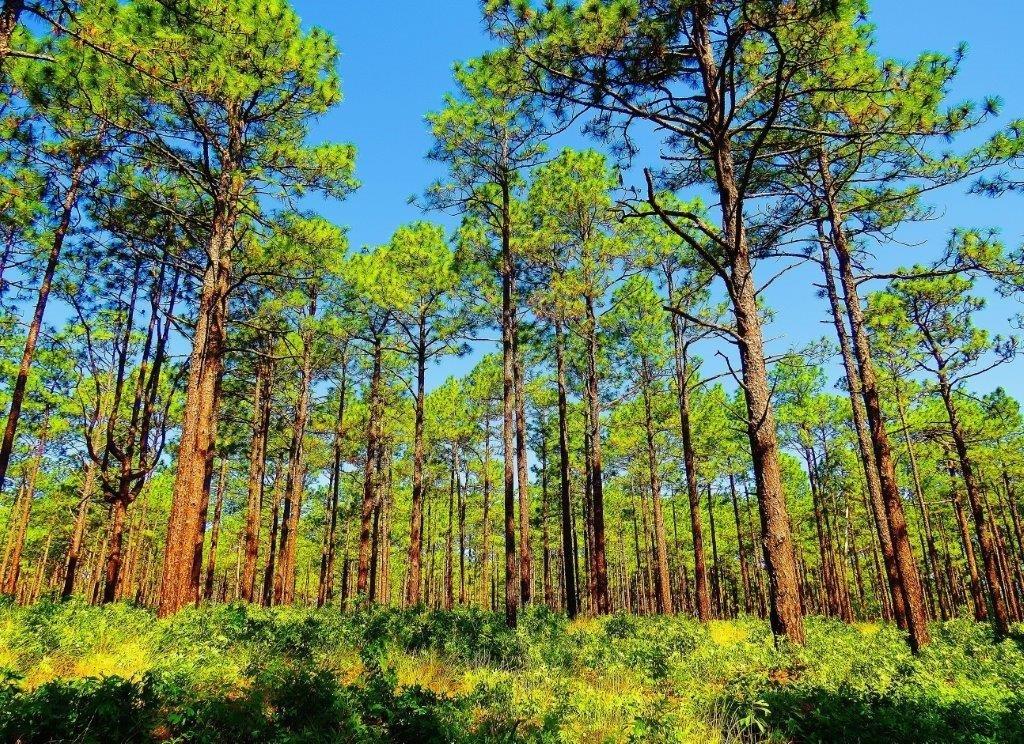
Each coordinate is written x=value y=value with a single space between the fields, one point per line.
x=71 y=672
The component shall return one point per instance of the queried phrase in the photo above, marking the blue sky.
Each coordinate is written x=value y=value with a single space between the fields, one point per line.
x=396 y=64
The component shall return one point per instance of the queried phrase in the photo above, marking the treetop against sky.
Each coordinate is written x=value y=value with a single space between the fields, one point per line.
x=396 y=61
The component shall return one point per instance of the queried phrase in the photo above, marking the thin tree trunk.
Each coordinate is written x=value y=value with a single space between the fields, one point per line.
x=326 y=591
x=485 y=554
x=976 y=499
x=598 y=559
x=16 y=538
x=716 y=575
x=261 y=406
x=275 y=521
x=20 y=385
x=522 y=475
x=412 y=596
x=977 y=593
x=549 y=592
x=211 y=565
x=662 y=579
x=748 y=605
x=564 y=485
x=370 y=474
x=864 y=444
x=926 y=522
x=508 y=321
x=78 y=531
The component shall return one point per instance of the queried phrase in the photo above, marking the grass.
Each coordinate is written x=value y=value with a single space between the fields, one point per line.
x=71 y=672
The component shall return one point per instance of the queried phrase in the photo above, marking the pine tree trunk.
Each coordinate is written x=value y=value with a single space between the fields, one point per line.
x=485 y=551
x=508 y=320
x=776 y=536
x=932 y=552
x=10 y=12
x=897 y=603
x=549 y=591
x=976 y=500
x=115 y=545
x=662 y=579
x=716 y=576
x=412 y=596
x=909 y=578
x=183 y=552
x=211 y=565
x=78 y=531
x=261 y=405
x=522 y=475
x=295 y=481
x=564 y=485
x=460 y=501
x=977 y=593
x=748 y=605
x=370 y=474
x=326 y=589
x=20 y=385
x=448 y=563
x=16 y=539
x=598 y=560
x=270 y=571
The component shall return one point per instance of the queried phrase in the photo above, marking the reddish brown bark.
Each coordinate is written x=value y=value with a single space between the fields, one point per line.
x=976 y=499
x=183 y=551
x=218 y=509
x=909 y=578
x=261 y=406
x=326 y=591
x=872 y=482
x=78 y=531
x=19 y=525
x=284 y=588
x=10 y=13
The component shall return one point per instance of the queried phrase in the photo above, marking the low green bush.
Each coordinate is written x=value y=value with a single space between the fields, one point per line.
x=238 y=673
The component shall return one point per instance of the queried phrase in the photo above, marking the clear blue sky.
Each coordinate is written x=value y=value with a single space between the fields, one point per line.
x=396 y=64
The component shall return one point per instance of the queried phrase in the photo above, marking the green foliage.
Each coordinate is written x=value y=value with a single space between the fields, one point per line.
x=239 y=673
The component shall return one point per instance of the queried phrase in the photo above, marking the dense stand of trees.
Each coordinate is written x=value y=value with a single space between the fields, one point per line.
x=209 y=397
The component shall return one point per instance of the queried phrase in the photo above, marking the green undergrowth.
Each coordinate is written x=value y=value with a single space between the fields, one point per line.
x=71 y=672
